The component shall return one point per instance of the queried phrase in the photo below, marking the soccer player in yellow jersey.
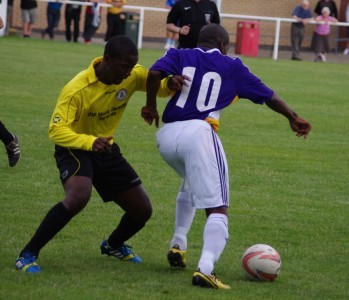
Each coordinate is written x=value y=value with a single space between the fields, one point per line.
x=82 y=126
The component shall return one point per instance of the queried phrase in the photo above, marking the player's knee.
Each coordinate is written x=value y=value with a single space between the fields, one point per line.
x=75 y=202
x=146 y=213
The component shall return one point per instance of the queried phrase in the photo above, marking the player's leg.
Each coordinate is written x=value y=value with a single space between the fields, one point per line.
x=215 y=238
x=120 y=183
x=185 y=212
x=11 y=143
x=77 y=189
x=138 y=210
x=167 y=138
x=207 y=173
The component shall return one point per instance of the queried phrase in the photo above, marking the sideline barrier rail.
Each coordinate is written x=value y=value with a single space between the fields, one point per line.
x=142 y=9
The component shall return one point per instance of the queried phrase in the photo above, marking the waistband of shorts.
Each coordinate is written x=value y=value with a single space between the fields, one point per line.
x=196 y=122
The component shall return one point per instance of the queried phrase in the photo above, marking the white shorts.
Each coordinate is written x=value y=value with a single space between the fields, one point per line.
x=195 y=152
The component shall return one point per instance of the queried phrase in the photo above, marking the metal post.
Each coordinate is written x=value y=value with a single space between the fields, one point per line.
x=277 y=38
x=140 y=29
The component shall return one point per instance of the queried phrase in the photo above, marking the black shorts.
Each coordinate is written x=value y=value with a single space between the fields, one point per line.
x=111 y=174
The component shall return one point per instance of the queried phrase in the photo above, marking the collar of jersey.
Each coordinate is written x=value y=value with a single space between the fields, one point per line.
x=91 y=74
x=207 y=50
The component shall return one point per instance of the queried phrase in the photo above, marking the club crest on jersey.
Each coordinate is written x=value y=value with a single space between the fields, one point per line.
x=56 y=119
x=121 y=95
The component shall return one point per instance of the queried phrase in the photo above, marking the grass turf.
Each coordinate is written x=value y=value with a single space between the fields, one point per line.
x=287 y=192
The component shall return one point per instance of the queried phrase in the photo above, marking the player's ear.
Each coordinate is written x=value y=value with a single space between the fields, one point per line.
x=223 y=47
x=107 y=57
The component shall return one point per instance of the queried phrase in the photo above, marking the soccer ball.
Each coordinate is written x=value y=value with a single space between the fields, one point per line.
x=261 y=262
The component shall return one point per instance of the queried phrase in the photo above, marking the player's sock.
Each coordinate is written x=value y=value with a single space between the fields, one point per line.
x=185 y=213
x=5 y=135
x=215 y=238
x=127 y=228
x=54 y=221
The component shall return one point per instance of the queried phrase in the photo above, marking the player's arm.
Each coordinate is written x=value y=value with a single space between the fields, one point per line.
x=149 y=112
x=61 y=134
x=297 y=124
x=60 y=131
x=168 y=84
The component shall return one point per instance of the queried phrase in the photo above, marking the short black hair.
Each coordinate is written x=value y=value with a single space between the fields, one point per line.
x=119 y=45
x=211 y=35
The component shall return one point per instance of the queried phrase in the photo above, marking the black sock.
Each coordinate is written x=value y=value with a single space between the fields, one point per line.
x=127 y=228
x=5 y=135
x=54 y=221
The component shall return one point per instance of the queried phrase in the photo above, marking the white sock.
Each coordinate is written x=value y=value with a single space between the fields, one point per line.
x=215 y=238
x=185 y=213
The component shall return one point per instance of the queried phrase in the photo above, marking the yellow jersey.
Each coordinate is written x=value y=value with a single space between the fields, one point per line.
x=115 y=10
x=87 y=108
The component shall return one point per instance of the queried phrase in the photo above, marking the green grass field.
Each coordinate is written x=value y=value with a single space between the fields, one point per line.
x=287 y=192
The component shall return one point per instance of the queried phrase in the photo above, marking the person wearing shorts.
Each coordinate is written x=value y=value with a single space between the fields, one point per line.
x=189 y=143
x=29 y=9
x=82 y=128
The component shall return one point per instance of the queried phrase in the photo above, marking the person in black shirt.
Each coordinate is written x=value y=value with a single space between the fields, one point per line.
x=187 y=17
x=327 y=3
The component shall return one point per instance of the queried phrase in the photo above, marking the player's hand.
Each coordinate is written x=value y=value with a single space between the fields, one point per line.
x=149 y=115
x=176 y=82
x=301 y=126
x=102 y=144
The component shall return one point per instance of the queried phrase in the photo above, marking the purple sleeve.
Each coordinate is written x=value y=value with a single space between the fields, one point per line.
x=169 y=63
x=249 y=86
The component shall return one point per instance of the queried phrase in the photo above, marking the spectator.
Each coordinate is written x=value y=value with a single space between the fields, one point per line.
x=53 y=13
x=10 y=141
x=320 y=41
x=327 y=3
x=187 y=17
x=171 y=37
x=302 y=14
x=9 y=22
x=72 y=15
x=114 y=22
x=92 y=20
x=189 y=143
x=346 y=50
x=29 y=10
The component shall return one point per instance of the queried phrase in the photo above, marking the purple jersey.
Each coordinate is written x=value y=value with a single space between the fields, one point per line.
x=216 y=81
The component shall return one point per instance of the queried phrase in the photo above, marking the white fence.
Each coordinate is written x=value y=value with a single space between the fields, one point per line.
x=142 y=9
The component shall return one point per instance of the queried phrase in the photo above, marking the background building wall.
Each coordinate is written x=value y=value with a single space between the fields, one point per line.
x=154 y=24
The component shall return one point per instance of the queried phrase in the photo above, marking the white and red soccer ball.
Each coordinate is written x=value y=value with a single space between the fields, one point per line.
x=261 y=262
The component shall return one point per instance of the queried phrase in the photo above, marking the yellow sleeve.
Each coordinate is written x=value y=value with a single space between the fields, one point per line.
x=61 y=125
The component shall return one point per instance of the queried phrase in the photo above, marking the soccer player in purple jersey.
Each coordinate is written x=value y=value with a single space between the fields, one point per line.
x=188 y=141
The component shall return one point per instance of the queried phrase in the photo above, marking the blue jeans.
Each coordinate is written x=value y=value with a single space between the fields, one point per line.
x=53 y=17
